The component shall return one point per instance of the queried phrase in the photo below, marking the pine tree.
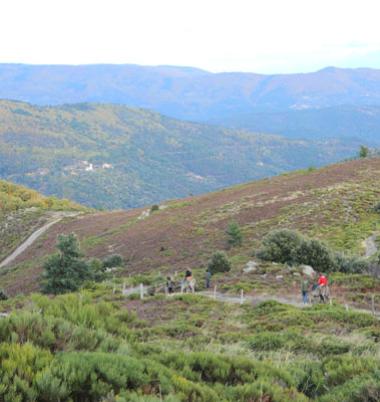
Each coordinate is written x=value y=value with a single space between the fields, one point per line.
x=363 y=152
x=235 y=237
x=65 y=271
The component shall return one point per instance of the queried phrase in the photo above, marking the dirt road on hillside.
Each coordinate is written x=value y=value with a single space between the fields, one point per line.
x=56 y=217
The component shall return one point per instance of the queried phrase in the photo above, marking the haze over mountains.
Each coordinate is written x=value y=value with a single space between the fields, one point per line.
x=332 y=102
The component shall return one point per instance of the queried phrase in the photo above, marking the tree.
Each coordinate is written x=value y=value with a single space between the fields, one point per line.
x=235 y=237
x=363 y=152
x=65 y=271
x=279 y=246
x=219 y=263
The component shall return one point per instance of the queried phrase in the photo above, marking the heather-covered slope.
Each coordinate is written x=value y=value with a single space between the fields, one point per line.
x=334 y=204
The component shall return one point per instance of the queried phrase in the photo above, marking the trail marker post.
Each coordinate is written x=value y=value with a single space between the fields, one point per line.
x=242 y=296
x=141 y=291
x=373 y=304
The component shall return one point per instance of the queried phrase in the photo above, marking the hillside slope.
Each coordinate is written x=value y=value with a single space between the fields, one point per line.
x=22 y=211
x=334 y=204
x=111 y=156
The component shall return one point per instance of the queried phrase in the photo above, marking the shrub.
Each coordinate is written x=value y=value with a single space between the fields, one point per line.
x=65 y=271
x=219 y=263
x=154 y=208
x=235 y=237
x=98 y=270
x=279 y=246
x=3 y=295
x=114 y=260
x=351 y=265
x=376 y=208
x=315 y=253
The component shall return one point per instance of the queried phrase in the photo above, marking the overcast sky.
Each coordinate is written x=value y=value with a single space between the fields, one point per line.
x=266 y=36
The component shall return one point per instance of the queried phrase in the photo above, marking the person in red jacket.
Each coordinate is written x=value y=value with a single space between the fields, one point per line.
x=322 y=280
x=322 y=285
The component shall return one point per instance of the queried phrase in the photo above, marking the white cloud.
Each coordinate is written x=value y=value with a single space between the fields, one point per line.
x=245 y=35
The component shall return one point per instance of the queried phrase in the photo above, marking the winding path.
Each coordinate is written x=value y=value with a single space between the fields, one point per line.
x=34 y=236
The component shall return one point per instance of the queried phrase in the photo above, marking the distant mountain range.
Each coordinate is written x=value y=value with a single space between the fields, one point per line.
x=112 y=156
x=332 y=102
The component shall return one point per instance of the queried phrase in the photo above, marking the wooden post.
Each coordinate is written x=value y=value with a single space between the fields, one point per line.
x=346 y=305
x=215 y=287
x=141 y=291
x=242 y=296
x=373 y=303
x=124 y=286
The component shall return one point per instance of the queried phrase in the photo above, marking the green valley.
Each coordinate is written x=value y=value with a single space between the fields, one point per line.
x=112 y=156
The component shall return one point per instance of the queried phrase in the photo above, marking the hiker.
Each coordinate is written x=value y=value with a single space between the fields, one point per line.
x=322 y=285
x=169 y=285
x=208 y=278
x=305 y=285
x=188 y=282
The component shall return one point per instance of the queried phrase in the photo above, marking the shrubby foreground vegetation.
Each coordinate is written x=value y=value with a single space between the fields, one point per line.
x=92 y=346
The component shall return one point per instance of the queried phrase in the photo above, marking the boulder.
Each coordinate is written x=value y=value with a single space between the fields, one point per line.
x=250 y=267
x=307 y=270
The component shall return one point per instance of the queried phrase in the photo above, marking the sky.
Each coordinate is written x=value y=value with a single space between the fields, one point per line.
x=264 y=36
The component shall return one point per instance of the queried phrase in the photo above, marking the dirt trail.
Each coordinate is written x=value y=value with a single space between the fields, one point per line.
x=253 y=300
x=56 y=217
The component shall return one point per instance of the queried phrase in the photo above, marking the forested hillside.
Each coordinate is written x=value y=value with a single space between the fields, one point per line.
x=112 y=156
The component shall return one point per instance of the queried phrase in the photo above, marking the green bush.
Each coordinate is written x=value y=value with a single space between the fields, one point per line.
x=290 y=247
x=219 y=263
x=351 y=265
x=280 y=246
x=315 y=253
x=114 y=260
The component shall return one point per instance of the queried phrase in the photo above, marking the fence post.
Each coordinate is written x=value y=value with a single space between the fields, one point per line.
x=124 y=286
x=373 y=304
x=141 y=291
x=346 y=305
x=242 y=296
x=215 y=291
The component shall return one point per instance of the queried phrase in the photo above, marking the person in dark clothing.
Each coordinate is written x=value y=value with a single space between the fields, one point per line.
x=305 y=286
x=169 y=285
x=208 y=278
